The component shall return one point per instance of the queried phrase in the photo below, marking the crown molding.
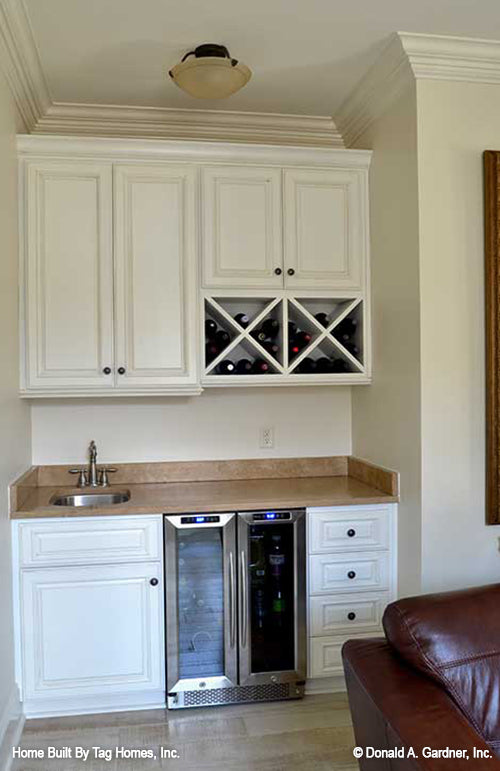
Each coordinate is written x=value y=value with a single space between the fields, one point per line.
x=209 y=125
x=410 y=57
x=441 y=57
x=20 y=64
x=388 y=77
x=32 y=146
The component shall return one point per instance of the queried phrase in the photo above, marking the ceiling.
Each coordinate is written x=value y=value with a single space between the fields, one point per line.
x=306 y=55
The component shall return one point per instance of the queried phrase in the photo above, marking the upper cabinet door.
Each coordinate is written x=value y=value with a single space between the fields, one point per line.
x=325 y=225
x=242 y=244
x=68 y=264
x=155 y=276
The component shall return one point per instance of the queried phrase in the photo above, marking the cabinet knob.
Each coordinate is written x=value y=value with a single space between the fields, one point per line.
x=154 y=582
x=278 y=271
x=121 y=370
x=351 y=574
x=351 y=533
x=291 y=272
x=351 y=616
x=107 y=370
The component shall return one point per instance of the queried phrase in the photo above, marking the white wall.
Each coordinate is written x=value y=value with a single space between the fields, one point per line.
x=15 y=455
x=456 y=122
x=219 y=424
x=386 y=416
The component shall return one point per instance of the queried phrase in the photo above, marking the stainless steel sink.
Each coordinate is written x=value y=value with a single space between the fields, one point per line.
x=91 y=499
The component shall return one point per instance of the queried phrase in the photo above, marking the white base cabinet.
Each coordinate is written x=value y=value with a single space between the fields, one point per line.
x=352 y=570
x=90 y=636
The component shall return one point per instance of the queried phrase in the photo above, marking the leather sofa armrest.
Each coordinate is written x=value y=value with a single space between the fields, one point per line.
x=394 y=706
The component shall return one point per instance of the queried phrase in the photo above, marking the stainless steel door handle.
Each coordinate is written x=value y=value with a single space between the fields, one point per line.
x=232 y=602
x=244 y=598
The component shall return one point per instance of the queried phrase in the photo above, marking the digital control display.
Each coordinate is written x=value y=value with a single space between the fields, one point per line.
x=200 y=519
x=270 y=516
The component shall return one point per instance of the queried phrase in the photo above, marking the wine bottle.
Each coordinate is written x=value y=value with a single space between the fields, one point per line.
x=340 y=365
x=259 y=335
x=322 y=318
x=242 y=319
x=260 y=367
x=211 y=352
x=272 y=348
x=303 y=338
x=292 y=329
x=222 y=338
x=226 y=367
x=307 y=366
x=293 y=350
x=346 y=329
x=270 y=327
x=352 y=348
x=324 y=365
x=243 y=367
x=210 y=329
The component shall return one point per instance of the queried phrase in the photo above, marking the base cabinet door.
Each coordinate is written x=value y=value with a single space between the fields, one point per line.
x=68 y=277
x=91 y=631
x=156 y=275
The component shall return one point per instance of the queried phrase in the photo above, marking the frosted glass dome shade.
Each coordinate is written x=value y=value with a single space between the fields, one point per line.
x=213 y=76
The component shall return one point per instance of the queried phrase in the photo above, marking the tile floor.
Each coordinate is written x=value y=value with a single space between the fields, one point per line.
x=311 y=735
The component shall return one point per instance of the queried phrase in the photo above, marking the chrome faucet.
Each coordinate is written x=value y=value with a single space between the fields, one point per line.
x=93 y=477
x=93 y=465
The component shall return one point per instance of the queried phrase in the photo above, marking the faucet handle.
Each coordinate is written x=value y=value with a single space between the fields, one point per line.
x=104 y=481
x=82 y=476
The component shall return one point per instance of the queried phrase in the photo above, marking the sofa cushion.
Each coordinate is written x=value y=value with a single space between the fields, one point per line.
x=455 y=639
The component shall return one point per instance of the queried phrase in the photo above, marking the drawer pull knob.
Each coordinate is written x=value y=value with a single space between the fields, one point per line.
x=154 y=582
x=107 y=370
x=291 y=272
x=351 y=616
x=351 y=574
x=351 y=533
x=121 y=370
x=278 y=271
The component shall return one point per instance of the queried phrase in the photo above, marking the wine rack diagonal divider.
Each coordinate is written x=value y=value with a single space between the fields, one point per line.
x=244 y=334
x=325 y=334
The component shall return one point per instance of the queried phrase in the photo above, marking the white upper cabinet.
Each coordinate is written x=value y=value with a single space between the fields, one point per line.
x=68 y=276
x=155 y=269
x=109 y=309
x=242 y=243
x=325 y=229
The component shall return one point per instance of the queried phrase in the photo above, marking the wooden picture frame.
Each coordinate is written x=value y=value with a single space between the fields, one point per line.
x=491 y=159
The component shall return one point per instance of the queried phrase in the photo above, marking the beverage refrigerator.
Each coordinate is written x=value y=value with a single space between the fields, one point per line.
x=235 y=607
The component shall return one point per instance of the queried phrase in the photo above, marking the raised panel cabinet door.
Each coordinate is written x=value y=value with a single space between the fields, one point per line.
x=155 y=275
x=325 y=228
x=242 y=221
x=68 y=276
x=91 y=631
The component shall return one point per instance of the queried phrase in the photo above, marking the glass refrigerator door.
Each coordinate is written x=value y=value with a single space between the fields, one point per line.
x=201 y=601
x=272 y=598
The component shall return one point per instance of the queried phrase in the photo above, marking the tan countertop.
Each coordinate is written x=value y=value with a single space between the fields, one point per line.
x=348 y=482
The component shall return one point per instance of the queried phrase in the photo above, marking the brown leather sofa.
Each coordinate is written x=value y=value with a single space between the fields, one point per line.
x=433 y=685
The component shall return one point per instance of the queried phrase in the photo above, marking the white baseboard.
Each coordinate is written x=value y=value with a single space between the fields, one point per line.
x=93 y=704
x=11 y=728
x=326 y=685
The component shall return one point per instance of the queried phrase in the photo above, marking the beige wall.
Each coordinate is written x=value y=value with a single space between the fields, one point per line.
x=456 y=122
x=221 y=423
x=386 y=415
x=15 y=454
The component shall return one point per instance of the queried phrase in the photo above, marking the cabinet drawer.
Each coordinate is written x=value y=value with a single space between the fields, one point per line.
x=338 y=529
x=86 y=541
x=325 y=655
x=343 y=614
x=348 y=572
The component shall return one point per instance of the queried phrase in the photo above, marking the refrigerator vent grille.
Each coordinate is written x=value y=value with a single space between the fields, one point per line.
x=237 y=695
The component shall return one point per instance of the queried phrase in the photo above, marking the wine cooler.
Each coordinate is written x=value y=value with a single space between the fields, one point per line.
x=235 y=607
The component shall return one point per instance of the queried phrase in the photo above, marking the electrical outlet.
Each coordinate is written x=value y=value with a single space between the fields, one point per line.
x=267 y=437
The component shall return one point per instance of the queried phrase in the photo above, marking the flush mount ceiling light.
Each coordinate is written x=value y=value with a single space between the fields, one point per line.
x=209 y=72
